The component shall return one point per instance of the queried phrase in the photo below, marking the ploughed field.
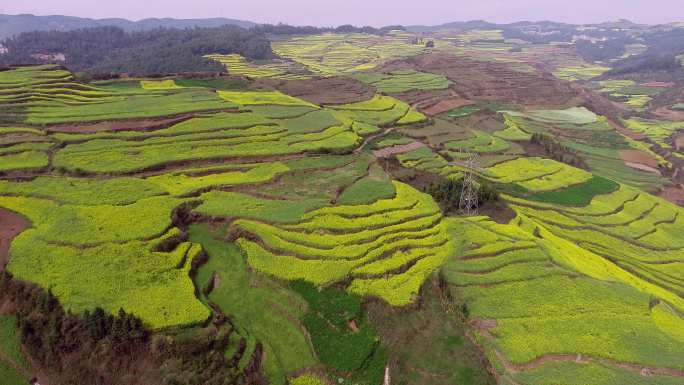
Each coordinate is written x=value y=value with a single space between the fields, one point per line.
x=306 y=221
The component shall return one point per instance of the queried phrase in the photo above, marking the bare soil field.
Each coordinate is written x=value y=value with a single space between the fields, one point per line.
x=666 y=113
x=121 y=125
x=640 y=157
x=480 y=80
x=679 y=142
x=446 y=105
x=398 y=149
x=334 y=90
x=11 y=224
x=674 y=194
x=642 y=167
x=433 y=102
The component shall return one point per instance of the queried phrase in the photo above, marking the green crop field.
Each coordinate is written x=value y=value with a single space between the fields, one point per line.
x=238 y=65
x=330 y=53
x=298 y=218
x=402 y=81
x=657 y=131
x=537 y=174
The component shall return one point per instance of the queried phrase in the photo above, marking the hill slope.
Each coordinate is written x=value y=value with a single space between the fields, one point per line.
x=11 y=25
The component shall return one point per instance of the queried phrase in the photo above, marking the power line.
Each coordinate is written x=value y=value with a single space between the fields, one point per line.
x=469 y=202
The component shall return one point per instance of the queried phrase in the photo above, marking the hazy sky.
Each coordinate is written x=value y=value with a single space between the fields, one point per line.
x=362 y=12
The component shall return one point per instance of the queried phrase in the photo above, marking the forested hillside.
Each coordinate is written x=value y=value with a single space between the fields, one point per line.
x=13 y=25
x=104 y=50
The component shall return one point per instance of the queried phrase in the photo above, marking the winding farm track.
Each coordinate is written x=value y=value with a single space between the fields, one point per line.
x=371 y=138
x=18 y=368
x=11 y=224
x=483 y=326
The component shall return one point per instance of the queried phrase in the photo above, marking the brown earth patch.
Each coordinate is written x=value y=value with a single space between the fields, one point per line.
x=533 y=149
x=643 y=167
x=484 y=323
x=669 y=114
x=433 y=102
x=11 y=224
x=446 y=105
x=122 y=125
x=679 y=142
x=495 y=81
x=636 y=156
x=498 y=211
x=333 y=90
x=673 y=194
x=398 y=149
x=624 y=131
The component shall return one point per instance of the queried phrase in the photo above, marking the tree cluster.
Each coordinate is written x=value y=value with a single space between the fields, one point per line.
x=660 y=56
x=557 y=151
x=286 y=29
x=602 y=50
x=447 y=193
x=101 y=348
x=644 y=64
x=103 y=50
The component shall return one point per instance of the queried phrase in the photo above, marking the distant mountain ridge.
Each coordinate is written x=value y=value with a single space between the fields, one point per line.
x=11 y=25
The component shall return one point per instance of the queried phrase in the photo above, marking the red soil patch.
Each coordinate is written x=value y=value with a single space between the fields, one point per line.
x=124 y=125
x=333 y=90
x=398 y=149
x=669 y=114
x=495 y=81
x=636 y=156
x=11 y=224
x=679 y=142
x=446 y=105
x=643 y=167
x=673 y=194
x=484 y=325
x=624 y=131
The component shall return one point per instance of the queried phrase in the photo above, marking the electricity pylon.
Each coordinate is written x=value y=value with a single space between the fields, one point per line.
x=469 y=201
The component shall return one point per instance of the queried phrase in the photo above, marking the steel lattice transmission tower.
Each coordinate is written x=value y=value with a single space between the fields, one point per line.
x=469 y=201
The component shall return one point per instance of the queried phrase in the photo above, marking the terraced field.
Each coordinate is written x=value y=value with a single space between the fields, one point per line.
x=108 y=203
x=238 y=65
x=370 y=243
x=297 y=221
x=48 y=95
x=558 y=272
x=593 y=139
x=330 y=54
x=404 y=80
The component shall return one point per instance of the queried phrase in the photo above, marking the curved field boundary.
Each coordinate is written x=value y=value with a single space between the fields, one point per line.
x=11 y=224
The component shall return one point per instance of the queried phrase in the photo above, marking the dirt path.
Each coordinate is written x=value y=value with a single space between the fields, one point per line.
x=11 y=224
x=398 y=149
x=624 y=131
x=483 y=326
x=132 y=124
x=672 y=115
x=371 y=138
x=642 y=167
x=18 y=368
